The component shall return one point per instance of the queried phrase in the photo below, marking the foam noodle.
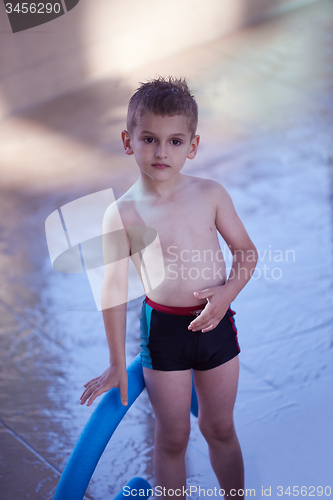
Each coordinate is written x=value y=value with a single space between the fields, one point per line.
x=96 y=435
x=135 y=488
x=98 y=432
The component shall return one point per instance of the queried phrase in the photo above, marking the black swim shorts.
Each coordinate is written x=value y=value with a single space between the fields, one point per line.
x=168 y=345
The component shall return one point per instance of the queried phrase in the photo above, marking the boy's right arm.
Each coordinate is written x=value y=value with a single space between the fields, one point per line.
x=115 y=375
x=116 y=251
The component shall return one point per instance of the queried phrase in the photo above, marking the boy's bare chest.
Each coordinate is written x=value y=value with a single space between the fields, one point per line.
x=181 y=224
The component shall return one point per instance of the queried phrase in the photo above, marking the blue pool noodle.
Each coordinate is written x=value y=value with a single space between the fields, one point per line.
x=96 y=435
x=194 y=400
x=134 y=485
x=98 y=432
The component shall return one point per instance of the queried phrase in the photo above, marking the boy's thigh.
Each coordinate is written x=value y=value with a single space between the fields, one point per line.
x=217 y=389
x=170 y=395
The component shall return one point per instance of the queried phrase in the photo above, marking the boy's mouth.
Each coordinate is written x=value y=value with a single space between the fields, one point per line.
x=160 y=165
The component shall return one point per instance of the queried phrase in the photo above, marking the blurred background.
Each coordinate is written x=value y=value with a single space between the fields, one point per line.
x=262 y=73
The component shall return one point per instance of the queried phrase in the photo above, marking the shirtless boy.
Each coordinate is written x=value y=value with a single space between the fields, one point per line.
x=186 y=321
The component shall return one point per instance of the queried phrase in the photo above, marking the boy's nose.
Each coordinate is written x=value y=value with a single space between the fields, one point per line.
x=161 y=152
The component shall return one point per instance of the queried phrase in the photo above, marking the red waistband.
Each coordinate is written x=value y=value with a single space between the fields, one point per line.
x=181 y=311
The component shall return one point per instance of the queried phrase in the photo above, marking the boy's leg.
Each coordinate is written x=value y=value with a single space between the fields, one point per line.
x=170 y=395
x=216 y=391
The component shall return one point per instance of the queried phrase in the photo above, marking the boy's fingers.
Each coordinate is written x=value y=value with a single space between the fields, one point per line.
x=97 y=392
x=98 y=386
x=208 y=328
x=89 y=386
x=123 y=393
x=90 y=381
x=85 y=395
x=204 y=294
x=204 y=323
x=202 y=320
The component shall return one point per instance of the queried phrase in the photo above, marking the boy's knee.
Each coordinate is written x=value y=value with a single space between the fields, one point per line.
x=174 y=442
x=217 y=430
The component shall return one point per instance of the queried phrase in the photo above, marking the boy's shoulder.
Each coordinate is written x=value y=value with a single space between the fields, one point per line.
x=123 y=209
x=210 y=187
x=198 y=189
x=213 y=194
x=204 y=182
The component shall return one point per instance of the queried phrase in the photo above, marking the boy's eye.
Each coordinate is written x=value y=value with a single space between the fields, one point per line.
x=175 y=142
x=149 y=140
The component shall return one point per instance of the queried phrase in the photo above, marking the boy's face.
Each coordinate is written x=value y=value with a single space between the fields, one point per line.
x=161 y=145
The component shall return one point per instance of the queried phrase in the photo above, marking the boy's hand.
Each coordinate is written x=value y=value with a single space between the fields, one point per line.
x=217 y=305
x=112 y=377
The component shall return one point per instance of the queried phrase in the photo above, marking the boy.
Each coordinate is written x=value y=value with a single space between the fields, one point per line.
x=186 y=321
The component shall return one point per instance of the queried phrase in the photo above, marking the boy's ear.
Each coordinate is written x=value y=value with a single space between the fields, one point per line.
x=193 y=147
x=127 y=142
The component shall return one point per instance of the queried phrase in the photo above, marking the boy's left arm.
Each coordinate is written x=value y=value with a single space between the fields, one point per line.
x=245 y=258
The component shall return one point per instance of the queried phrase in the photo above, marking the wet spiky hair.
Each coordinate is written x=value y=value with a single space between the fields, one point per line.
x=165 y=97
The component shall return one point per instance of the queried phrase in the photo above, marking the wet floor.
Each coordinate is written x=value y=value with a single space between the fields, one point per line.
x=266 y=119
